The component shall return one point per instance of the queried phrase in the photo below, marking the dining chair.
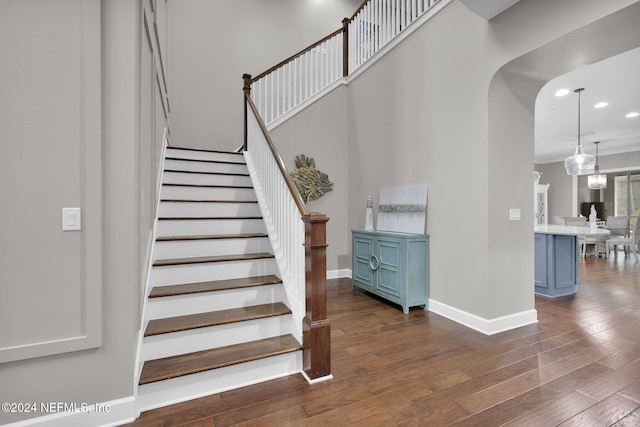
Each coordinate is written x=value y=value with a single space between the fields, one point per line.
x=618 y=226
x=583 y=241
x=575 y=221
x=630 y=240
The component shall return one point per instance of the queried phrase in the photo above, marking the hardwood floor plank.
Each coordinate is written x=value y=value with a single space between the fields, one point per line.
x=443 y=415
x=554 y=412
x=494 y=416
x=604 y=413
x=555 y=389
x=203 y=422
x=631 y=420
x=632 y=391
x=487 y=398
x=613 y=382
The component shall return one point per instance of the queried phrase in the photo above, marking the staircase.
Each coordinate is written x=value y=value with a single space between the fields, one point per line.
x=216 y=316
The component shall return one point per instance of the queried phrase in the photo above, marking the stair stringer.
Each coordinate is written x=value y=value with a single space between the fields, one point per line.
x=294 y=287
x=144 y=294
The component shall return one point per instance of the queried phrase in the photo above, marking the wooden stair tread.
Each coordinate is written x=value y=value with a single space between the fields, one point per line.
x=169 y=184
x=205 y=360
x=191 y=218
x=207 y=259
x=226 y=162
x=211 y=286
x=211 y=237
x=206 y=201
x=207 y=172
x=205 y=150
x=215 y=318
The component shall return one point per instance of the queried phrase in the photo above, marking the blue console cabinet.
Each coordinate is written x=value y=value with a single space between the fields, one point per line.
x=556 y=264
x=394 y=266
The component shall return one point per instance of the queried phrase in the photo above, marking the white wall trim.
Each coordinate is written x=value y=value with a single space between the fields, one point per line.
x=87 y=328
x=486 y=326
x=105 y=414
x=336 y=274
x=317 y=380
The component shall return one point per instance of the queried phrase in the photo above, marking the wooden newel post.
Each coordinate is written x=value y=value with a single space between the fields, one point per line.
x=247 y=92
x=316 y=329
x=345 y=47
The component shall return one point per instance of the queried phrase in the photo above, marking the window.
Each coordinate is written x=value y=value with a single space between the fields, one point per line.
x=627 y=194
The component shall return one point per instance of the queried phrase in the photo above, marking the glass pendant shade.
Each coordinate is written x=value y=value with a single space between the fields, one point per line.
x=580 y=163
x=597 y=181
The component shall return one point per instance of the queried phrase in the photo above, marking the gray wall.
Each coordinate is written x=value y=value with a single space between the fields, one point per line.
x=321 y=132
x=213 y=43
x=74 y=135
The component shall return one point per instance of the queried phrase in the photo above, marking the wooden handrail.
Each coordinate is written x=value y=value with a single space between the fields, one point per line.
x=302 y=207
x=359 y=9
x=291 y=58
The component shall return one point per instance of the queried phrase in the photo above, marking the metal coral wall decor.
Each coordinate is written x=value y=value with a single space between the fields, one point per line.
x=311 y=183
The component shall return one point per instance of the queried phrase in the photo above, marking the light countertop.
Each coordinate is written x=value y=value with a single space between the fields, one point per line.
x=570 y=230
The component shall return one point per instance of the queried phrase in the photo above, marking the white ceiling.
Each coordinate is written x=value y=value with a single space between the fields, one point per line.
x=616 y=81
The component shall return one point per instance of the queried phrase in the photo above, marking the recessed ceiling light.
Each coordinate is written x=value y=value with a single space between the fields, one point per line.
x=632 y=115
x=601 y=105
x=562 y=92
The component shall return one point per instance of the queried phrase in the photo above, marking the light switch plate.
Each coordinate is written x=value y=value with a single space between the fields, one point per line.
x=71 y=219
x=514 y=214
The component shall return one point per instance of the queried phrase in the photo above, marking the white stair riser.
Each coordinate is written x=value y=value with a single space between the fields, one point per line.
x=204 y=155
x=163 y=393
x=209 y=227
x=181 y=305
x=198 y=248
x=173 y=275
x=206 y=193
x=166 y=345
x=205 y=209
x=205 y=179
x=184 y=165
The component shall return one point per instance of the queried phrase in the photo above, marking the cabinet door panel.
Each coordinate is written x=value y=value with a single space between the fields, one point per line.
x=540 y=268
x=389 y=272
x=363 y=250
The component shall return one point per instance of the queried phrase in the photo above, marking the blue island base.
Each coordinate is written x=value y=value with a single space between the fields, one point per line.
x=556 y=264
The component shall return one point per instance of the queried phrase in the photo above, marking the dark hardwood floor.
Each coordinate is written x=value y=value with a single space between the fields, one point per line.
x=578 y=366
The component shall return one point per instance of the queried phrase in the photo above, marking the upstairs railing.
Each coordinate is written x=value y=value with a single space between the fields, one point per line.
x=318 y=68
x=298 y=238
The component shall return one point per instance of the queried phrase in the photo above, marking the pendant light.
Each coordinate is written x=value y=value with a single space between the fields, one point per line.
x=597 y=181
x=580 y=163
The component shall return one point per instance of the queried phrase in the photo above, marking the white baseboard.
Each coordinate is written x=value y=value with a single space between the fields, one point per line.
x=486 y=326
x=106 y=414
x=317 y=380
x=336 y=274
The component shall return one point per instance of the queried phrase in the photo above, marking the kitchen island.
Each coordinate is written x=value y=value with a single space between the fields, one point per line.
x=556 y=257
